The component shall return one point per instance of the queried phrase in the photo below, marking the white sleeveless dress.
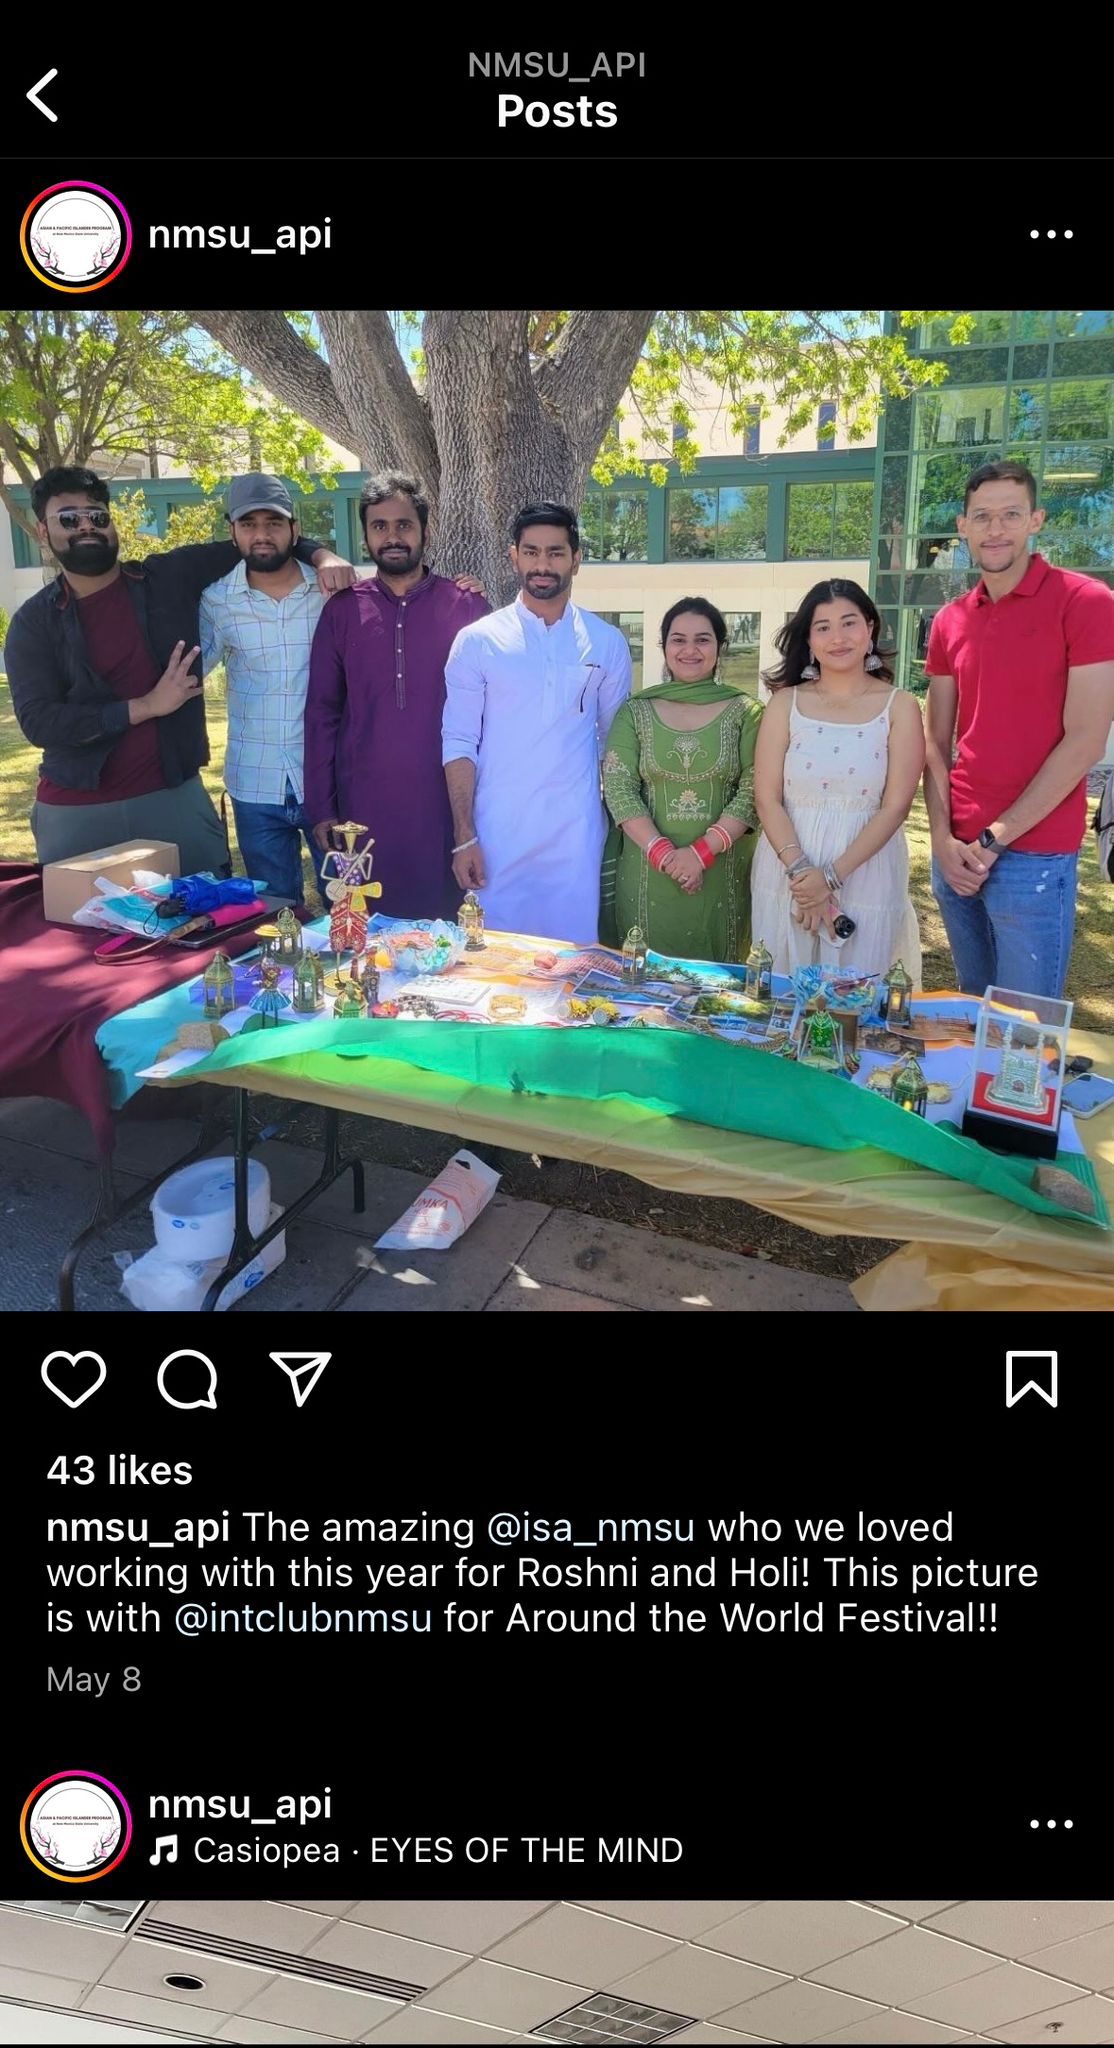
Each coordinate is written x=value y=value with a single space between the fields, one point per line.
x=834 y=781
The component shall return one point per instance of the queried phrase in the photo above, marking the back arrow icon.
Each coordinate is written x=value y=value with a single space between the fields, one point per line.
x=36 y=89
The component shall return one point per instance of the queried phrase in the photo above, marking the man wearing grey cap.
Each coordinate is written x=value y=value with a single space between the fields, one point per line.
x=260 y=621
x=101 y=667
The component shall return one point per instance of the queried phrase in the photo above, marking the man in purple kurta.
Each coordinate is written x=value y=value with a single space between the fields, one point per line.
x=376 y=695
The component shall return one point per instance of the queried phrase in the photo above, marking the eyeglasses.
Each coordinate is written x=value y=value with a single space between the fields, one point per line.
x=1010 y=520
x=71 y=519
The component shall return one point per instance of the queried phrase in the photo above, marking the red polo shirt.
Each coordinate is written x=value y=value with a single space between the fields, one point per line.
x=1010 y=660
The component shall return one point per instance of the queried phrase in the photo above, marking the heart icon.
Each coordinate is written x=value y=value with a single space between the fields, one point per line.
x=68 y=1366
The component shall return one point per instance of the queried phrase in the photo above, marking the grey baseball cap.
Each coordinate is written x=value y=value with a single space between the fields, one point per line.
x=258 y=494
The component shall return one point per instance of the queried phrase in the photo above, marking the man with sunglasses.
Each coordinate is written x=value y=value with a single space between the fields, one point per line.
x=101 y=665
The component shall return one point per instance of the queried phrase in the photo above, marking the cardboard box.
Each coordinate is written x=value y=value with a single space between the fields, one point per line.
x=69 y=884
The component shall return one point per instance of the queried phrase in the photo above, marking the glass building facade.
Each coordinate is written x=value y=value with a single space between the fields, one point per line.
x=1031 y=387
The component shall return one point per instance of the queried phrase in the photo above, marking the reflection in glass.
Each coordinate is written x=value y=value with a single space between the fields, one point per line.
x=630 y=625
x=742 y=523
x=970 y=417
x=591 y=514
x=692 y=526
x=738 y=664
x=625 y=526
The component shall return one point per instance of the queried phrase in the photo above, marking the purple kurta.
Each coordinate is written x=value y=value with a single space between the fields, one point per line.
x=373 y=732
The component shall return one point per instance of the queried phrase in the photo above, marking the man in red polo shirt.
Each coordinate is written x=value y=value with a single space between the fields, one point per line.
x=1022 y=694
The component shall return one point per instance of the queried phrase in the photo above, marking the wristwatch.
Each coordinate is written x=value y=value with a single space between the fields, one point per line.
x=987 y=839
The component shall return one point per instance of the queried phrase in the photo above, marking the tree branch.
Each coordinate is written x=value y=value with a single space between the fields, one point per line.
x=391 y=423
x=268 y=346
x=585 y=377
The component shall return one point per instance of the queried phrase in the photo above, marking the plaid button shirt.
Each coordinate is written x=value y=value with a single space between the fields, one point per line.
x=265 y=644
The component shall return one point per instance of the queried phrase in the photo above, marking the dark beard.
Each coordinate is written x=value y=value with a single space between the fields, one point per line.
x=397 y=565
x=268 y=565
x=89 y=556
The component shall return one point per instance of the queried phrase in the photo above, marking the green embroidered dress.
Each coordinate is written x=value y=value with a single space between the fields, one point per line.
x=684 y=781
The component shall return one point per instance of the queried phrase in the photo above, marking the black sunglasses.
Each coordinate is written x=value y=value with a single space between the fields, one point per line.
x=70 y=520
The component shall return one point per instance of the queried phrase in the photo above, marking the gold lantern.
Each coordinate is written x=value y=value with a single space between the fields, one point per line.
x=471 y=921
x=217 y=988
x=908 y=1088
x=893 y=1003
x=760 y=966
x=634 y=956
x=351 y=1001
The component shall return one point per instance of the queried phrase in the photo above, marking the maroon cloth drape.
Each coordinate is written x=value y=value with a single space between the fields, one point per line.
x=54 y=997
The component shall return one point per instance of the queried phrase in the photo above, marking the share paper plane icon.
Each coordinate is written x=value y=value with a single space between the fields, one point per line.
x=303 y=1369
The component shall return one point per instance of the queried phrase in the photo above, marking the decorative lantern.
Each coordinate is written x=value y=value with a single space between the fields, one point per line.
x=893 y=1000
x=908 y=1088
x=282 y=940
x=367 y=974
x=307 y=993
x=217 y=988
x=760 y=967
x=351 y=1001
x=471 y=920
x=318 y=972
x=634 y=956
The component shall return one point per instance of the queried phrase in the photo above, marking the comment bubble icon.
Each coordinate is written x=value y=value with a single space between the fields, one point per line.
x=187 y=1379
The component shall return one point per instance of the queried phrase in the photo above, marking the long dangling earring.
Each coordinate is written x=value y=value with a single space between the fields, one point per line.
x=810 y=673
x=873 y=661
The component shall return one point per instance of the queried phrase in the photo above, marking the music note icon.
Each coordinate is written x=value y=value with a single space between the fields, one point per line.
x=170 y=1844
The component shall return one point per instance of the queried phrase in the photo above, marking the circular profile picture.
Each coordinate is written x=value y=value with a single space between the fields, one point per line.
x=76 y=237
x=76 y=1826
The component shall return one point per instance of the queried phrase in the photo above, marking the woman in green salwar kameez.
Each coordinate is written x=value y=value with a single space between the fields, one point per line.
x=678 y=779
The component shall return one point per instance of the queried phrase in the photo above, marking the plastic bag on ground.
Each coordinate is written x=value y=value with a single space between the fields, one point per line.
x=445 y=1209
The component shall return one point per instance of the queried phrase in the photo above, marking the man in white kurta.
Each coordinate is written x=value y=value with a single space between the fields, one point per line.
x=531 y=692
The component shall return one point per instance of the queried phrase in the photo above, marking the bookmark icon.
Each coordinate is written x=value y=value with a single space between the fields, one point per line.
x=1043 y=1370
x=303 y=1369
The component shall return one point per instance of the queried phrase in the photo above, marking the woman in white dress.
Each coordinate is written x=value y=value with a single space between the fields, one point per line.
x=840 y=754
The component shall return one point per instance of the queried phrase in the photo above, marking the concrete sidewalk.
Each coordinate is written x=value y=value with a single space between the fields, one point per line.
x=518 y=1255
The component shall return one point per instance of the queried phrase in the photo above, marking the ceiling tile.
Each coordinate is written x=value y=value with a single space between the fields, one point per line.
x=35 y=1990
x=693 y=1980
x=334 y=1908
x=686 y=1918
x=386 y=1955
x=144 y=1964
x=1020 y=1927
x=1089 y=2020
x=904 y=1966
x=414 y=2029
x=912 y=1909
x=264 y=2032
x=503 y=1998
x=260 y=1921
x=797 y=1935
x=160 y=2013
x=799 y=2012
x=993 y=1999
x=586 y=1948
x=469 y=1924
x=706 y=2035
x=319 y=2008
x=56 y=1946
x=1088 y=1960
x=891 y=2030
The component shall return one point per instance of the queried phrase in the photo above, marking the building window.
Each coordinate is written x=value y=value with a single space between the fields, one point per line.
x=630 y=625
x=752 y=439
x=825 y=430
x=590 y=523
x=614 y=526
x=679 y=432
x=830 y=522
x=738 y=664
x=317 y=520
x=727 y=524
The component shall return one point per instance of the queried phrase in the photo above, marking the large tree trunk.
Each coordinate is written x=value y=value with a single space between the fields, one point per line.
x=493 y=431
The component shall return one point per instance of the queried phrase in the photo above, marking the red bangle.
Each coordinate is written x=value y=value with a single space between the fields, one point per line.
x=722 y=836
x=704 y=853
x=658 y=850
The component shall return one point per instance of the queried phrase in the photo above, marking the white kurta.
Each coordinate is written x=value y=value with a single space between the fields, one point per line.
x=532 y=706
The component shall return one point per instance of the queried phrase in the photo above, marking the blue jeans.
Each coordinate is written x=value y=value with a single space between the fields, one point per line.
x=270 y=837
x=1017 y=932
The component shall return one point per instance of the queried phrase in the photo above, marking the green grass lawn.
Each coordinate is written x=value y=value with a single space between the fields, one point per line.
x=1090 y=980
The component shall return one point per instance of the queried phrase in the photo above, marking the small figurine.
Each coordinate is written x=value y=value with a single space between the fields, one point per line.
x=366 y=973
x=270 y=1002
x=760 y=967
x=821 y=1041
x=471 y=921
x=351 y=1001
x=893 y=996
x=349 y=892
x=908 y=1087
x=307 y=992
x=634 y=957
x=218 y=988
